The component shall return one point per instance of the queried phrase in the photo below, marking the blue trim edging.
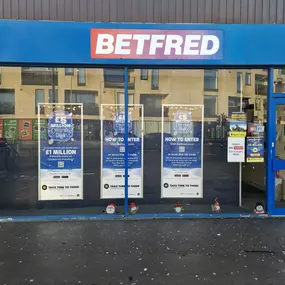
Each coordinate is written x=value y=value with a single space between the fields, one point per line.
x=61 y=218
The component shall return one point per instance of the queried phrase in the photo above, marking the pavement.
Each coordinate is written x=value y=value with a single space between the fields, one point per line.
x=218 y=251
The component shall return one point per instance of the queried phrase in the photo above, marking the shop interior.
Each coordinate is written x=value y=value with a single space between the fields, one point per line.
x=211 y=96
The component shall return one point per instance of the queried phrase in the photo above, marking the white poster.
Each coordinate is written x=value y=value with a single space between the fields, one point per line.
x=61 y=152
x=113 y=151
x=182 y=151
x=236 y=149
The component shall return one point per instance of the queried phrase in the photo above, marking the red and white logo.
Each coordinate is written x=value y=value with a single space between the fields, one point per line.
x=156 y=44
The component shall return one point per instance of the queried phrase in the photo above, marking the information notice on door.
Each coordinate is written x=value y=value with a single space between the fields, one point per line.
x=113 y=151
x=236 y=149
x=182 y=151
x=60 y=153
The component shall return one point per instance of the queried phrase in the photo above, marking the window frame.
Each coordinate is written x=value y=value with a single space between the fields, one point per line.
x=12 y=92
x=130 y=96
x=144 y=74
x=237 y=110
x=216 y=105
x=42 y=110
x=155 y=77
x=69 y=92
x=157 y=113
x=248 y=76
x=216 y=80
x=78 y=77
x=56 y=95
x=239 y=81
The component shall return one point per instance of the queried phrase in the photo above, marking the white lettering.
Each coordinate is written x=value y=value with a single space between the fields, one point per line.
x=141 y=39
x=105 y=44
x=173 y=42
x=154 y=43
x=120 y=44
x=205 y=43
x=191 y=41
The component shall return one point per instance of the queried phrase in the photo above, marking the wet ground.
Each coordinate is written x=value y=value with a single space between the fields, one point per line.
x=229 y=251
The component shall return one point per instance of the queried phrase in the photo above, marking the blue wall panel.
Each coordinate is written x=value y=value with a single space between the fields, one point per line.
x=39 y=42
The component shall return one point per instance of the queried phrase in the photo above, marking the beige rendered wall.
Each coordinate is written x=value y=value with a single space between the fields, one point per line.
x=178 y=86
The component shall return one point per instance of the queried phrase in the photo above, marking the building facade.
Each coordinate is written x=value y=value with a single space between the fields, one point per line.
x=46 y=80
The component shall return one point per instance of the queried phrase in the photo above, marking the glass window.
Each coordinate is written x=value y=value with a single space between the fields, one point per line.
x=39 y=98
x=113 y=78
x=120 y=98
x=239 y=81
x=144 y=74
x=88 y=98
x=248 y=78
x=260 y=84
x=53 y=96
x=210 y=106
x=69 y=71
x=155 y=79
x=152 y=104
x=210 y=80
x=7 y=101
x=39 y=76
x=81 y=77
x=233 y=104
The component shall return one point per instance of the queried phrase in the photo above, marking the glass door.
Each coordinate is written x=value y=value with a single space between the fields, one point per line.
x=279 y=154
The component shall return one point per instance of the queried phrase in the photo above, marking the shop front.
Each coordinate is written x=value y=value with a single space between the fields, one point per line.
x=141 y=120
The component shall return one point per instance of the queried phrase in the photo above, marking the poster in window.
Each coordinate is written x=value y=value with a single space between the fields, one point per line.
x=1 y=128
x=113 y=151
x=255 y=149
x=238 y=124
x=236 y=149
x=11 y=129
x=60 y=154
x=182 y=151
x=25 y=130
x=40 y=126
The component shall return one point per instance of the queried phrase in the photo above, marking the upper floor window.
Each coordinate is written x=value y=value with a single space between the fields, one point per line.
x=211 y=80
x=210 y=106
x=88 y=98
x=69 y=71
x=81 y=77
x=155 y=79
x=53 y=96
x=39 y=98
x=144 y=74
x=39 y=76
x=120 y=98
x=260 y=84
x=281 y=72
x=7 y=101
x=248 y=78
x=239 y=82
x=115 y=78
x=152 y=104
x=234 y=104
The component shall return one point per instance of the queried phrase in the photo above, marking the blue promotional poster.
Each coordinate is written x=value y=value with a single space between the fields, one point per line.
x=61 y=169
x=182 y=152
x=113 y=152
x=255 y=149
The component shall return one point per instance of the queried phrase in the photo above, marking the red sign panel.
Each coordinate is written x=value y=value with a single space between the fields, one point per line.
x=156 y=44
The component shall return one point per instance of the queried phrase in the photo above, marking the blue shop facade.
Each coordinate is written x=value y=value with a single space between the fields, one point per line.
x=141 y=120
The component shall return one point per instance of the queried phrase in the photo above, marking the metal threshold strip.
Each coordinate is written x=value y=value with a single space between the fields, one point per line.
x=90 y=217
